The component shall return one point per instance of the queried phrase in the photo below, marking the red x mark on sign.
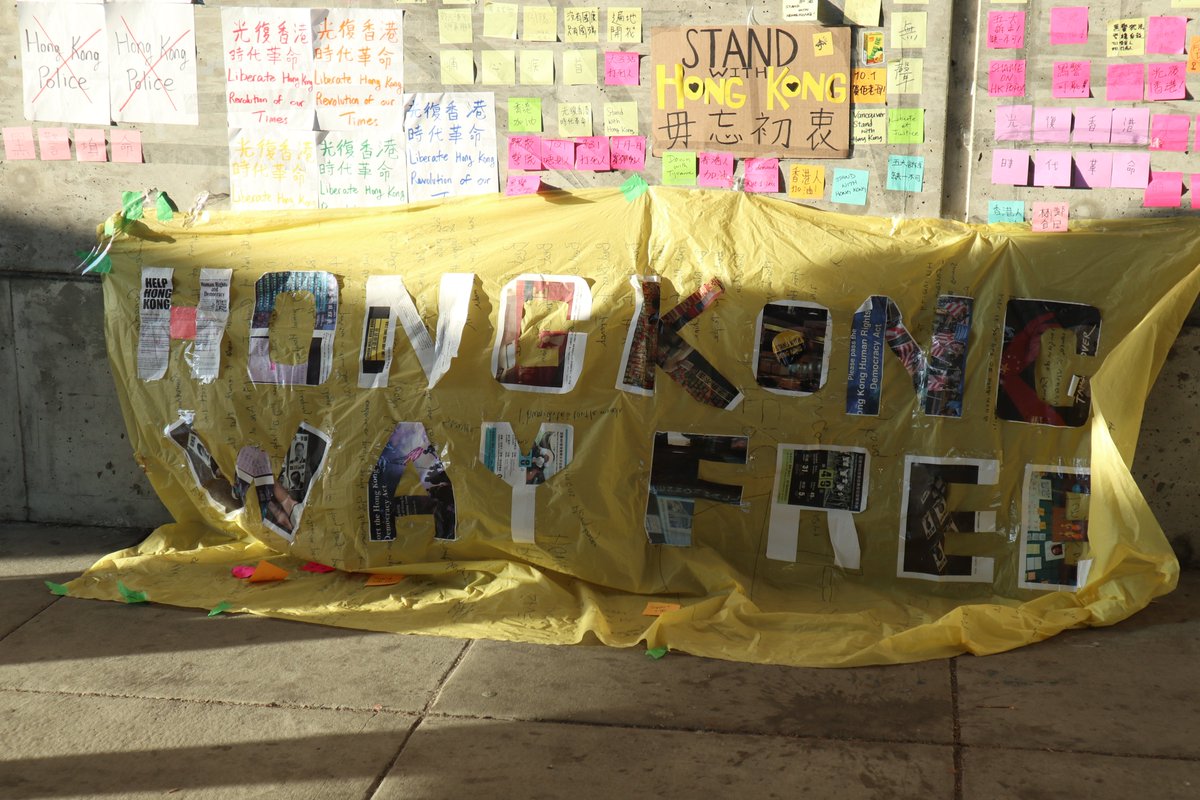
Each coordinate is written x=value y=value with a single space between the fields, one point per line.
x=62 y=62
x=151 y=67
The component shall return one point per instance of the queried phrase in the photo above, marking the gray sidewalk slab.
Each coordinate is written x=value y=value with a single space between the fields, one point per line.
x=1025 y=775
x=459 y=758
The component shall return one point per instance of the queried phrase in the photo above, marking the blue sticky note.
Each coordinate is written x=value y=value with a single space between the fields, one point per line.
x=1006 y=211
x=906 y=173
x=850 y=186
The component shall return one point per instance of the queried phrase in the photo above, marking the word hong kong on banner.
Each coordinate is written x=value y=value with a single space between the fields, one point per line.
x=779 y=91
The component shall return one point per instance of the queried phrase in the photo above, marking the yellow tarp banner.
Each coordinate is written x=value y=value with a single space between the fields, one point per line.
x=954 y=519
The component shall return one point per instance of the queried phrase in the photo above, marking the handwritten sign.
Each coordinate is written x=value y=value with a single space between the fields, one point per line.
x=1010 y=167
x=1049 y=217
x=1014 y=123
x=64 y=62
x=54 y=144
x=1165 y=190
x=1071 y=79
x=1125 y=81
x=1052 y=168
x=541 y=24
x=678 y=168
x=625 y=24
x=362 y=169
x=1092 y=124
x=904 y=75
x=525 y=114
x=1006 y=78
x=715 y=170
x=850 y=186
x=153 y=69
x=628 y=152
x=581 y=24
x=1127 y=37
x=909 y=29
x=762 y=175
x=1130 y=126
x=1093 y=169
x=272 y=169
x=126 y=146
x=1002 y=211
x=806 y=182
x=90 y=145
x=621 y=119
x=621 y=68
x=1166 y=35
x=868 y=126
x=1169 y=132
x=450 y=140
x=592 y=154
x=579 y=67
x=359 y=62
x=18 y=144
x=1069 y=25
x=906 y=125
x=1167 y=81
x=1051 y=124
x=1130 y=170
x=906 y=173
x=868 y=85
x=1006 y=30
x=574 y=119
x=268 y=67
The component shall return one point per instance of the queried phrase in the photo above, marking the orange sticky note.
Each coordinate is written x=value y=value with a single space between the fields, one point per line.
x=266 y=571
x=868 y=85
x=655 y=608
x=1193 y=62
x=378 y=579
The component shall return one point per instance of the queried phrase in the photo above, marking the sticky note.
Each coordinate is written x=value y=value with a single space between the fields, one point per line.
x=592 y=154
x=1052 y=168
x=621 y=69
x=454 y=26
x=242 y=571
x=516 y=184
x=1130 y=170
x=715 y=170
x=1165 y=190
x=655 y=608
x=498 y=67
x=1166 y=34
x=802 y=11
x=868 y=85
x=1127 y=37
x=908 y=30
x=1010 y=167
x=18 y=144
x=183 y=322
x=458 y=67
x=850 y=186
x=537 y=67
x=679 y=168
x=634 y=187
x=1000 y=211
x=558 y=154
x=806 y=182
x=220 y=608
x=1194 y=182
x=132 y=204
x=579 y=67
x=1130 y=126
x=1069 y=25
x=126 y=146
x=761 y=175
x=621 y=119
x=317 y=568
x=382 y=579
x=1093 y=169
x=541 y=24
x=906 y=125
x=265 y=572
x=90 y=145
x=1049 y=217
x=525 y=153
x=163 y=209
x=1092 y=124
x=868 y=126
x=656 y=652
x=1125 y=82
x=500 y=20
x=525 y=114
x=1051 y=124
x=1006 y=78
x=906 y=173
x=131 y=595
x=904 y=75
x=822 y=44
x=1014 y=123
x=627 y=152
x=56 y=588
x=1169 y=132
x=1193 y=65
x=581 y=24
x=1005 y=30
x=1167 y=81
x=1071 y=79
x=54 y=144
x=574 y=119
x=862 y=12
x=625 y=24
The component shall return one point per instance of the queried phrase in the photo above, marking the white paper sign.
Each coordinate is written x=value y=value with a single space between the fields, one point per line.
x=362 y=169
x=359 y=61
x=268 y=67
x=272 y=169
x=153 y=71
x=450 y=140
x=64 y=62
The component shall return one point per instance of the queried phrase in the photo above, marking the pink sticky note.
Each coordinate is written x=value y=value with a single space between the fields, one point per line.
x=1130 y=170
x=715 y=170
x=1170 y=132
x=1052 y=168
x=1006 y=78
x=558 y=154
x=90 y=145
x=1069 y=25
x=592 y=155
x=54 y=144
x=1014 y=123
x=183 y=322
x=126 y=146
x=621 y=68
x=1049 y=217
x=524 y=152
x=1052 y=124
x=18 y=144
x=1165 y=190
x=1093 y=169
x=1010 y=167
x=1072 y=79
x=1006 y=30
x=242 y=571
x=628 y=152
x=1167 y=81
x=518 y=184
x=1130 y=125
x=1166 y=35
x=1092 y=124
x=762 y=175
x=1125 y=81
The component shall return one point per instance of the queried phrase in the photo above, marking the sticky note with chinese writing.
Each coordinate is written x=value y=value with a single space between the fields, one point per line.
x=628 y=152
x=1014 y=123
x=1130 y=126
x=1170 y=132
x=1071 y=79
x=1006 y=78
x=1005 y=30
x=458 y=67
x=579 y=67
x=904 y=75
x=621 y=119
x=525 y=114
x=525 y=153
x=522 y=184
x=498 y=67
x=1165 y=190
x=381 y=578
x=454 y=26
x=574 y=119
x=906 y=173
x=679 y=168
x=54 y=144
x=822 y=44
x=1125 y=82
x=1049 y=217
x=537 y=67
x=1167 y=81
x=126 y=146
x=90 y=145
x=581 y=24
x=714 y=170
x=1051 y=124
x=625 y=24
x=1166 y=35
x=1000 y=211
x=868 y=126
x=908 y=30
x=592 y=154
x=558 y=154
x=655 y=608
x=861 y=12
x=1093 y=169
x=1127 y=37
x=500 y=20
x=1193 y=65
x=850 y=186
x=1052 y=168
x=1130 y=170
x=1010 y=167
x=1092 y=124
x=906 y=125
x=621 y=69
x=806 y=182
x=761 y=175
x=868 y=85
x=18 y=144
x=541 y=24
x=1069 y=25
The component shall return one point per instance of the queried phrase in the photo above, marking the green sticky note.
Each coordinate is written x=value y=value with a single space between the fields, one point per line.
x=525 y=114
x=56 y=588
x=679 y=168
x=220 y=608
x=103 y=266
x=906 y=125
x=162 y=207
x=906 y=173
x=109 y=228
x=131 y=204
x=1006 y=211
x=657 y=652
x=130 y=595
x=634 y=188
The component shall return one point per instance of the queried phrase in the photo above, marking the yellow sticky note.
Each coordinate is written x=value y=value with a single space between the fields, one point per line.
x=537 y=67
x=656 y=609
x=625 y=25
x=620 y=119
x=377 y=579
x=458 y=66
x=574 y=119
x=1127 y=37
x=579 y=67
x=541 y=24
x=823 y=44
x=868 y=126
x=498 y=67
x=908 y=28
x=806 y=182
x=500 y=20
x=862 y=12
x=454 y=26
x=581 y=24
x=904 y=75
